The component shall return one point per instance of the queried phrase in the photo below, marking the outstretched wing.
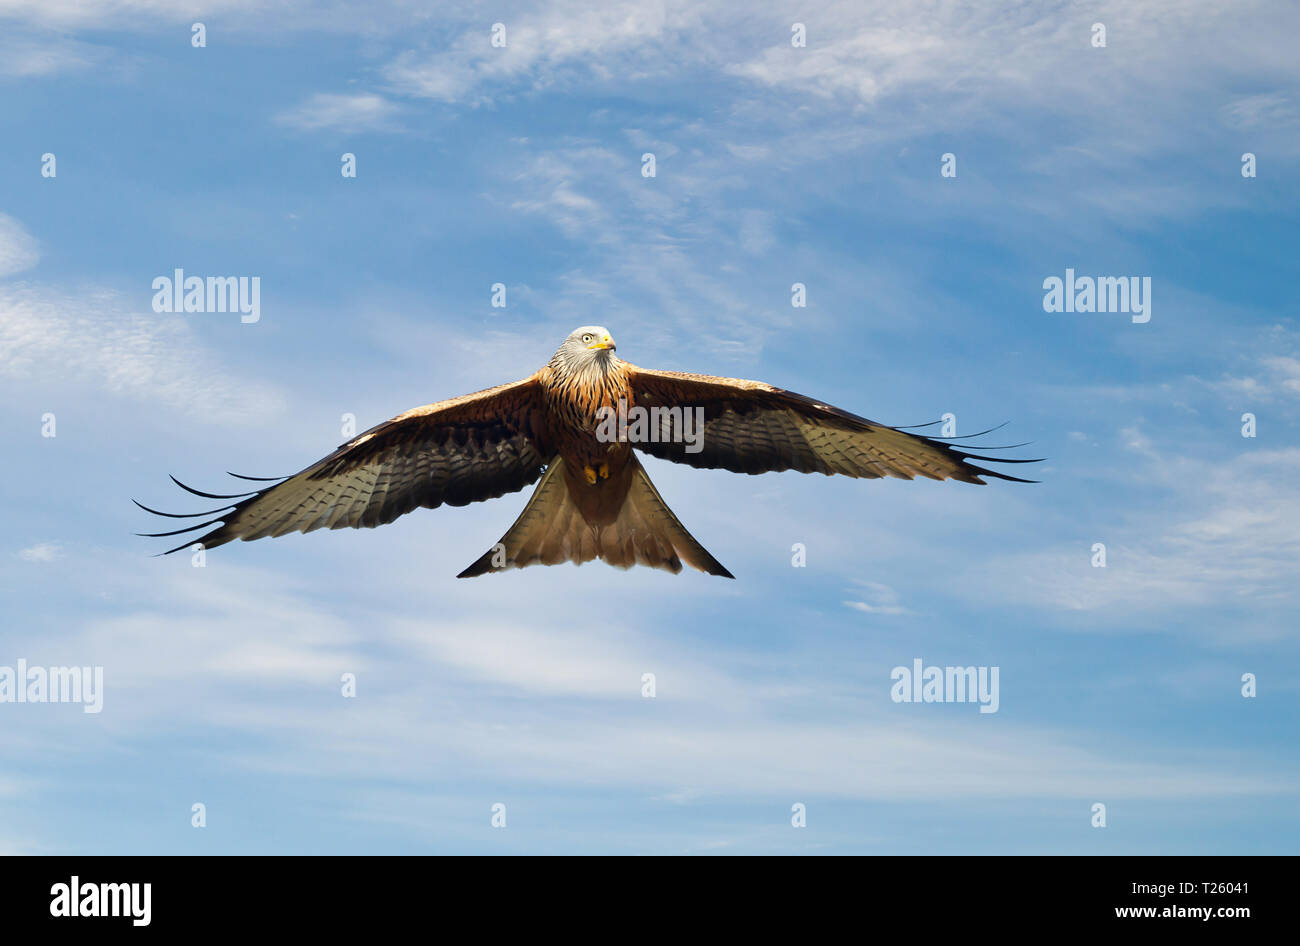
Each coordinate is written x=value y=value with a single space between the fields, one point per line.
x=752 y=427
x=460 y=451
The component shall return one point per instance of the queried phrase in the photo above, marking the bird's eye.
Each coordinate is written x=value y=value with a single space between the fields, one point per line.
x=588 y=338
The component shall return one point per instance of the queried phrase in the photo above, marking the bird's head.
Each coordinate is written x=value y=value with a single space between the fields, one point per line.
x=587 y=347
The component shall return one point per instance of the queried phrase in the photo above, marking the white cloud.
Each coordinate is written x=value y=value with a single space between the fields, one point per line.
x=1223 y=538
x=18 y=248
x=651 y=235
x=555 y=661
x=599 y=39
x=877 y=598
x=346 y=113
x=39 y=56
x=536 y=690
x=244 y=626
x=551 y=181
x=96 y=338
x=972 y=55
x=1276 y=376
x=757 y=234
x=123 y=14
x=1266 y=110
x=861 y=65
x=41 y=552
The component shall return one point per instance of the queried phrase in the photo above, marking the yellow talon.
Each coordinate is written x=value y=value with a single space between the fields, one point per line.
x=604 y=471
x=590 y=473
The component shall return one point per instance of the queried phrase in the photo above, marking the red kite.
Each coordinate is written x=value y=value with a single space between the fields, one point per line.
x=577 y=423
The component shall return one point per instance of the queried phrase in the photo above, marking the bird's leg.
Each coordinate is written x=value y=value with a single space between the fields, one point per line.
x=595 y=473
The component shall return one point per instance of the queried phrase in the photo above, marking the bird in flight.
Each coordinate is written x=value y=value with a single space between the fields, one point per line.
x=576 y=424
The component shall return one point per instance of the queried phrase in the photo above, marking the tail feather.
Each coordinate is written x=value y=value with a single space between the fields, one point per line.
x=552 y=529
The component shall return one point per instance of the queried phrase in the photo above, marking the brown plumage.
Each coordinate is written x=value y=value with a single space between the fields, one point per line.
x=594 y=499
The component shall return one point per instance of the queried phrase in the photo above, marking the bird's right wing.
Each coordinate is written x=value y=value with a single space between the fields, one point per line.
x=459 y=451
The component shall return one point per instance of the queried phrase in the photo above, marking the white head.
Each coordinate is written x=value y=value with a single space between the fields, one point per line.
x=586 y=348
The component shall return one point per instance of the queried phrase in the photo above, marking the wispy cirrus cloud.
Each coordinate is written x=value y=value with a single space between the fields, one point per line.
x=876 y=598
x=1266 y=110
x=347 y=113
x=41 y=552
x=508 y=692
x=96 y=338
x=545 y=46
x=38 y=55
x=1224 y=536
x=1278 y=376
x=1266 y=370
x=127 y=14
x=19 y=250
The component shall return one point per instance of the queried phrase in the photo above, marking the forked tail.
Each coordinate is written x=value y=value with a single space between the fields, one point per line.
x=552 y=529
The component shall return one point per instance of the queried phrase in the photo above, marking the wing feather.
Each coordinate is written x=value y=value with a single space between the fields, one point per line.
x=752 y=427
x=453 y=452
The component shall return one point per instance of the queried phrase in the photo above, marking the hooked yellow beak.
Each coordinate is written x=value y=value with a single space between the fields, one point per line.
x=605 y=344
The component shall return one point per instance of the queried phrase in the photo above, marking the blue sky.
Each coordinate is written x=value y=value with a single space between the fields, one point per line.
x=775 y=165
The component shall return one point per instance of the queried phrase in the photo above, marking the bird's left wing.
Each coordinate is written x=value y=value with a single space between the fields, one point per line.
x=752 y=427
x=459 y=451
